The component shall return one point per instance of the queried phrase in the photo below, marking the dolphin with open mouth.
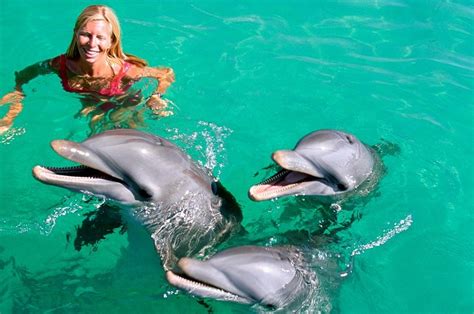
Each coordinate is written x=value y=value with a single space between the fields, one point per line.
x=323 y=163
x=184 y=209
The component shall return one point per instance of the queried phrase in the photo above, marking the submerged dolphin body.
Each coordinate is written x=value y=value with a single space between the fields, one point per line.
x=323 y=163
x=269 y=276
x=181 y=206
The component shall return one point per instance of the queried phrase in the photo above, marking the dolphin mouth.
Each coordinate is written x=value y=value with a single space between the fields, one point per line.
x=81 y=173
x=185 y=281
x=282 y=183
x=88 y=172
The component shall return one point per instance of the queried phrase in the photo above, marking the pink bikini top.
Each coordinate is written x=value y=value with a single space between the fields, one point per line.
x=113 y=89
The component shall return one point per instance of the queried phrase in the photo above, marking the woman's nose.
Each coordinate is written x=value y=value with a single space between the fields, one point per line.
x=93 y=41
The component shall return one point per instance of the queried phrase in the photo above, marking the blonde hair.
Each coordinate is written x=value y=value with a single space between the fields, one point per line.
x=102 y=12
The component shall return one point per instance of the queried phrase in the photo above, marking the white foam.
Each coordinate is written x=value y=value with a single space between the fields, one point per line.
x=399 y=227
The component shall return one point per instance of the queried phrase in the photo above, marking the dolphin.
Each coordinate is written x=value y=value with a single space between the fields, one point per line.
x=274 y=277
x=323 y=163
x=182 y=207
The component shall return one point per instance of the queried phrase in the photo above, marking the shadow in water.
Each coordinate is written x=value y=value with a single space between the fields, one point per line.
x=97 y=225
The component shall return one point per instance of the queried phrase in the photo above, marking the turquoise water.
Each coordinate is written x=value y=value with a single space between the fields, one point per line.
x=253 y=77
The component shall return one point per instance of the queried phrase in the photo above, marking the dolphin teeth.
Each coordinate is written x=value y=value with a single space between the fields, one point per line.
x=202 y=289
x=280 y=183
x=259 y=191
x=275 y=177
x=82 y=172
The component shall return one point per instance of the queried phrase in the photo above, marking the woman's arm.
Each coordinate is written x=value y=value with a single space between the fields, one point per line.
x=30 y=72
x=164 y=76
x=16 y=97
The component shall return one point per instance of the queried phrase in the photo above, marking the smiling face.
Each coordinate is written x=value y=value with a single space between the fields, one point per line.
x=94 y=40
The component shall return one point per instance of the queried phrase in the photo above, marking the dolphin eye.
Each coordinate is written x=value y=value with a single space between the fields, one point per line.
x=144 y=194
x=350 y=139
x=214 y=187
x=341 y=187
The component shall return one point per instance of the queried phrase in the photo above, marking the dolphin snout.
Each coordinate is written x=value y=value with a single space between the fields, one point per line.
x=38 y=173
x=68 y=149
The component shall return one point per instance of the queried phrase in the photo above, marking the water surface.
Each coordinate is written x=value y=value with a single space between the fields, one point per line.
x=253 y=77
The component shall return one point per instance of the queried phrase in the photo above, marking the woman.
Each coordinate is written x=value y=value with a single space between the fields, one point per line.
x=96 y=67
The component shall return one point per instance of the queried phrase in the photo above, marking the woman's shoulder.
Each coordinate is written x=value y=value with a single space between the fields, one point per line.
x=133 y=71
x=55 y=62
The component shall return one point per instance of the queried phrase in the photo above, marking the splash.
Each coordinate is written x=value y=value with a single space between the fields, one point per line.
x=10 y=135
x=399 y=227
x=184 y=227
x=208 y=141
x=75 y=205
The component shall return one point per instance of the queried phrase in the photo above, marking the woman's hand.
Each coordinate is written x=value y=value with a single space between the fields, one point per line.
x=159 y=105
x=12 y=97
x=7 y=121
x=4 y=126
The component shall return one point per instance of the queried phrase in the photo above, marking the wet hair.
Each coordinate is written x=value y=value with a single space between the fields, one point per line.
x=97 y=13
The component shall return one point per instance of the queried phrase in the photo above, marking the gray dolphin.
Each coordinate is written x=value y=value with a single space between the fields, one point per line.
x=271 y=276
x=323 y=163
x=181 y=205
